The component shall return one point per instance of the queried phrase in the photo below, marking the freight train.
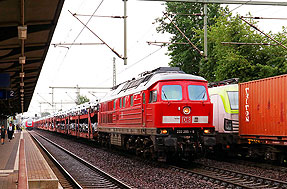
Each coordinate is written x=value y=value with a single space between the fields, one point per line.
x=165 y=113
x=262 y=116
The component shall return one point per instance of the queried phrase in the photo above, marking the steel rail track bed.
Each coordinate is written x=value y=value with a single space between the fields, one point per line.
x=230 y=178
x=262 y=165
x=84 y=174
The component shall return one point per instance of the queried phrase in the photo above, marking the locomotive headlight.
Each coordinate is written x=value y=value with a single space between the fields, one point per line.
x=164 y=131
x=186 y=110
x=206 y=131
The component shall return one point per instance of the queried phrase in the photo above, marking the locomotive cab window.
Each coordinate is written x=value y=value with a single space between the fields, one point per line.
x=153 y=96
x=233 y=99
x=197 y=92
x=171 y=92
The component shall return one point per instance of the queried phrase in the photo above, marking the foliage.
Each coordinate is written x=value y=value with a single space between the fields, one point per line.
x=247 y=62
x=184 y=56
x=81 y=99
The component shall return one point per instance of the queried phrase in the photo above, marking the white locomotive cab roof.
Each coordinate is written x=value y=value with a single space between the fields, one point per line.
x=118 y=92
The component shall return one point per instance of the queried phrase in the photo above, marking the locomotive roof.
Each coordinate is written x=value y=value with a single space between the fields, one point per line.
x=146 y=81
x=223 y=89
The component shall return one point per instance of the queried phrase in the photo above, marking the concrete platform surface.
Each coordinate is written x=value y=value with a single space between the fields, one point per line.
x=39 y=174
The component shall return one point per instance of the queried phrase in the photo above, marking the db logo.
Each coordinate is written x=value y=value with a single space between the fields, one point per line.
x=186 y=119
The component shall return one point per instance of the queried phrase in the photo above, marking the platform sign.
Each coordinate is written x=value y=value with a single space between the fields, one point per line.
x=5 y=94
x=4 y=80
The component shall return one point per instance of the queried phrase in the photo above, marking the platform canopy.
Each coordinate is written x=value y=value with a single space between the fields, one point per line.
x=26 y=30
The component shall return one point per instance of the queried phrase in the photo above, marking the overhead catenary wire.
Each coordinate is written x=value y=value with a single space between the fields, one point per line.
x=63 y=44
x=195 y=47
x=157 y=43
x=134 y=64
x=263 y=33
x=88 y=20
x=68 y=48
x=245 y=3
x=237 y=43
x=258 y=17
x=115 y=52
x=101 y=16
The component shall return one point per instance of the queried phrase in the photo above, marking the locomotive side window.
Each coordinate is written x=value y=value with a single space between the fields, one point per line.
x=124 y=102
x=132 y=100
x=233 y=99
x=143 y=98
x=171 y=92
x=114 y=104
x=197 y=92
x=120 y=103
x=153 y=96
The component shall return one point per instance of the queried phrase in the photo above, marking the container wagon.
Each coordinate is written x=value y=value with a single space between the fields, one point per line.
x=263 y=117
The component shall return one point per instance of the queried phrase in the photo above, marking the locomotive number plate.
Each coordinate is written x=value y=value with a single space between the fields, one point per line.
x=186 y=119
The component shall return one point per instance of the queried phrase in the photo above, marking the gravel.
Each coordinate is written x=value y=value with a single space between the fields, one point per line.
x=135 y=172
x=267 y=173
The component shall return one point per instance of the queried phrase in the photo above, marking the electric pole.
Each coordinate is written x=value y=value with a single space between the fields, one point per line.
x=114 y=72
x=125 y=32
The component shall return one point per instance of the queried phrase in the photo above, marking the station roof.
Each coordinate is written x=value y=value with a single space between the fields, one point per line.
x=40 y=17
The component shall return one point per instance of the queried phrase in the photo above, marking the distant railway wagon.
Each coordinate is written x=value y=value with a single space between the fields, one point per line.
x=29 y=124
x=80 y=121
x=164 y=113
x=263 y=117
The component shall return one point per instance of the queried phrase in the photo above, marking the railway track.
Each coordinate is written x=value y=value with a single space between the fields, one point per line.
x=81 y=173
x=259 y=165
x=229 y=178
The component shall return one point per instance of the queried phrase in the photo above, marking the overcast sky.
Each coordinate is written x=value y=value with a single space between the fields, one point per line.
x=91 y=66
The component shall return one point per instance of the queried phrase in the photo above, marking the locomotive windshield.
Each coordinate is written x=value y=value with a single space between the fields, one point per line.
x=197 y=92
x=233 y=99
x=171 y=92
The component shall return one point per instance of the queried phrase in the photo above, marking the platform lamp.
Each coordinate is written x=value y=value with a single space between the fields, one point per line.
x=21 y=90
x=22 y=74
x=22 y=59
x=22 y=32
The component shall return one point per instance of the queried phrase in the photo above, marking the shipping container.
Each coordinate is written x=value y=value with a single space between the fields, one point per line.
x=263 y=110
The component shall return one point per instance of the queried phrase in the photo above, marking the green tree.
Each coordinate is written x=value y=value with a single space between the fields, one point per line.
x=247 y=62
x=184 y=56
x=81 y=99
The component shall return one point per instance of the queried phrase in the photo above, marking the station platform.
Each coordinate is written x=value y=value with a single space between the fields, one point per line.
x=37 y=173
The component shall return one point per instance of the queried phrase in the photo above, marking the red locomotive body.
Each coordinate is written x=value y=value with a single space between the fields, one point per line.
x=165 y=112
x=29 y=124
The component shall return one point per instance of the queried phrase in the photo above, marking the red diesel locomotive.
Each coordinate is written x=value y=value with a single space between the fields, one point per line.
x=164 y=113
